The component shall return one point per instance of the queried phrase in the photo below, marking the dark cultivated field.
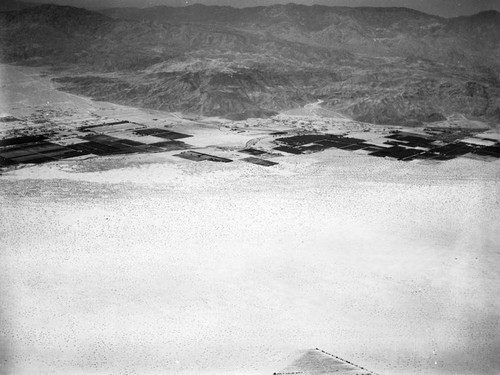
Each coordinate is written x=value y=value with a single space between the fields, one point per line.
x=258 y=161
x=198 y=156
x=406 y=146
x=35 y=150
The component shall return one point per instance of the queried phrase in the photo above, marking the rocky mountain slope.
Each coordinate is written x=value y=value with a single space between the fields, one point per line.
x=7 y=5
x=381 y=31
x=386 y=66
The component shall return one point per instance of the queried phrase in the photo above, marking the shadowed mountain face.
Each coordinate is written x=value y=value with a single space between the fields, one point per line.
x=380 y=65
x=7 y=5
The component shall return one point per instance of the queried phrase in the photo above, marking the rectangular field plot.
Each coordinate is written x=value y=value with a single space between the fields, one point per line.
x=94 y=148
x=114 y=145
x=43 y=147
x=253 y=151
x=100 y=138
x=396 y=152
x=62 y=154
x=265 y=163
x=300 y=140
x=454 y=149
x=372 y=148
x=33 y=159
x=354 y=147
x=15 y=153
x=172 y=135
x=172 y=145
x=413 y=140
x=162 y=133
x=6 y=162
x=341 y=143
x=328 y=140
x=22 y=140
x=429 y=155
x=478 y=142
x=111 y=127
x=148 y=148
x=127 y=142
x=198 y=156
x=106 y=145
x=30 y=149
x=492 y=151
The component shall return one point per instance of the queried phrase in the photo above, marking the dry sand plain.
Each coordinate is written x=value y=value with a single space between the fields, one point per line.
x=150 y=264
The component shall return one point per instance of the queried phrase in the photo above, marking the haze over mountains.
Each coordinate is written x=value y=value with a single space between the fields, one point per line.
x=379 y=65
x=444 y=8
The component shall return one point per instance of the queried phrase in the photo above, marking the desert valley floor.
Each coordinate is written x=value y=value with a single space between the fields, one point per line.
x=150 y=263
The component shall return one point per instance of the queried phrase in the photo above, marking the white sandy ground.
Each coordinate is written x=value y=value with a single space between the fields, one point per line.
x=183 y=267
x=151 y=264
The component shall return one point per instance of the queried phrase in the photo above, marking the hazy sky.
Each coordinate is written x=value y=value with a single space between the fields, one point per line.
x=446 y=8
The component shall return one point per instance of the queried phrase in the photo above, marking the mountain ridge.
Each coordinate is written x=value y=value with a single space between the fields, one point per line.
x=9 y=5
x=388 y=66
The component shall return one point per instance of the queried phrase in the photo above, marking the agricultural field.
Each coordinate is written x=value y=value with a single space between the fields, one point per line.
x=124 y=253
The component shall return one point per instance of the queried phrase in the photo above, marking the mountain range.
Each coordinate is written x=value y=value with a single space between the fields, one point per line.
x=379 y=65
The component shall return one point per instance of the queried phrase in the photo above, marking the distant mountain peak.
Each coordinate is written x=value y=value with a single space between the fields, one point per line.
x=52 y=11
x=66 y=19
x=10 y=5
x=384 y=66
